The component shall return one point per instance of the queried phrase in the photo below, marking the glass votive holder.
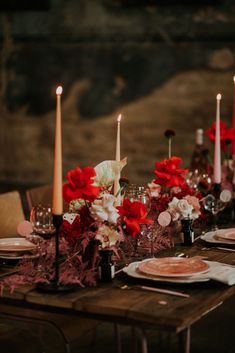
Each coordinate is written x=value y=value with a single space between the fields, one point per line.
x=41 y=219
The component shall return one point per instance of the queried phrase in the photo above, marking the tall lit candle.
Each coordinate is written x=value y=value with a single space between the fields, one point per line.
x=57 y=200
x=217 y=153
x=233 y=120
x=118 y=158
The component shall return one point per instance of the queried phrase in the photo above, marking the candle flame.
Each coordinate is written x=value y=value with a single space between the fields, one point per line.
x=218 y=97
x=119 y=118
x=234 y=79
x=59 y=90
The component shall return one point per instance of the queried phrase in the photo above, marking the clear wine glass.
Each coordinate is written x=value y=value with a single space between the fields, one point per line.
x=199 y=181
x=139 y=192
x=214 y=206
x=152 y=231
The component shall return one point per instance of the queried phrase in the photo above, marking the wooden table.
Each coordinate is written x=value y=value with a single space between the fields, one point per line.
x=136 y=307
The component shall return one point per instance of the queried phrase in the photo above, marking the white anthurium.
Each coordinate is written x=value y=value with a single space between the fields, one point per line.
x=103 y=209
x=106 y=171
x=107 y=236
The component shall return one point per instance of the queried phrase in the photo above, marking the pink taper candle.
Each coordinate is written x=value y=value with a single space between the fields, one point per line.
x=118 y=158
x=233 y=120
x=217 y=154
x=57 y=201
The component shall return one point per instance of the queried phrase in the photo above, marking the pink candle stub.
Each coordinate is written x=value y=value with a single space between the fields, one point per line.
x=24 y=228
x=164 y=219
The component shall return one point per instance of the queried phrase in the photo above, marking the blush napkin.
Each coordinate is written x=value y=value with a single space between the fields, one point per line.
x=220 y=272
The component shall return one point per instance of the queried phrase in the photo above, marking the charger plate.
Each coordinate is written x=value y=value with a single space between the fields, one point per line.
x=173 y=267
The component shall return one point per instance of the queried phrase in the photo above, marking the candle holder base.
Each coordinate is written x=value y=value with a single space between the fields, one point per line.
x=55 y=287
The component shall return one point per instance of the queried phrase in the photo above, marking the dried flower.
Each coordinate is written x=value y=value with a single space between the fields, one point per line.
x=169 y=133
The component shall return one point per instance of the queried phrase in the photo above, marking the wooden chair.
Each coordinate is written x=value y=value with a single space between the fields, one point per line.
x=70 y=328
x=39 y=195
x=11 y=213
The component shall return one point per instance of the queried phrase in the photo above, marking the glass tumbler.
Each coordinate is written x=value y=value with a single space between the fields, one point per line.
x=42 y=220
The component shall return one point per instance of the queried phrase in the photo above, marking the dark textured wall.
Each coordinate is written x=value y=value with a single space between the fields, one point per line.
x=160 y=65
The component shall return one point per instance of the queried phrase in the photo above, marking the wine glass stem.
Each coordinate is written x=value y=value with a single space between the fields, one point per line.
x=152 y=247
x=215 y=219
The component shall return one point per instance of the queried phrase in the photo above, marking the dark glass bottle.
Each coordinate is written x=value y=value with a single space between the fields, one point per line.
x=199 y=159
x=187 y=232
x=106 y=266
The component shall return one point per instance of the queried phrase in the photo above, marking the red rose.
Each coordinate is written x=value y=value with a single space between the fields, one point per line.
x=168 y=174
x=226 y=134
x=134 y=213
x=80 y=185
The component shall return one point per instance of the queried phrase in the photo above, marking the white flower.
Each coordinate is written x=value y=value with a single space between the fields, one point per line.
x=185 y=208
x=107 y=236
x=154 y=189
x=180 y=209
x=173 y=209
x=103 y=209
x=194 y=202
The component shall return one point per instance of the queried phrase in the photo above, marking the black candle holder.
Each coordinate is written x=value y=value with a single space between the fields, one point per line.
x=55 y=285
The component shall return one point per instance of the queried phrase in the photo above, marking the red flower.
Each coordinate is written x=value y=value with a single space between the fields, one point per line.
x=227 y=135
x=184 y=191
x=168 y=174
x=134 y=213
x=81 y=224
x=80 y=185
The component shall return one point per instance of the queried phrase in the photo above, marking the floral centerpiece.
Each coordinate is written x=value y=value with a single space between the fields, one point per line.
x=172 y=199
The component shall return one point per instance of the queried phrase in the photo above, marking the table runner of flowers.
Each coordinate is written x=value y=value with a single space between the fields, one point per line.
x=94 y=222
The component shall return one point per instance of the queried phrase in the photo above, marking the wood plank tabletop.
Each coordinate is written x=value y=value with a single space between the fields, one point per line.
x=137 y=306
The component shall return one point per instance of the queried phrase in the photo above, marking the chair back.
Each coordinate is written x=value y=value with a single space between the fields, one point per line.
x=11 y=213
x=41 y=195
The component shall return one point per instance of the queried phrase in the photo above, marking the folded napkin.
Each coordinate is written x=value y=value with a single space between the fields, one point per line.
x=220 y=272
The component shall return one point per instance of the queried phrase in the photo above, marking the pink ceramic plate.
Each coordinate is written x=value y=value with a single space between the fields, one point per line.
x=173 y=267
x=228 y=234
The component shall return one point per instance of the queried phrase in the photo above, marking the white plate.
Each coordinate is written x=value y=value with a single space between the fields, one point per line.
x=19 y=257
x=16 y=245
x=130 y=270
x=210 y=237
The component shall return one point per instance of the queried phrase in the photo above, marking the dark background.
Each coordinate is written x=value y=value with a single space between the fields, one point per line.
x=160 y=63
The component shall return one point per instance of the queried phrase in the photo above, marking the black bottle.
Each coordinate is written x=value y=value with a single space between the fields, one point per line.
x=187 y=232
x=106 y=266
